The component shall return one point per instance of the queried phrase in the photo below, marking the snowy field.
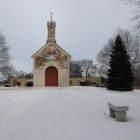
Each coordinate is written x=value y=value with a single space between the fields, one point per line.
x=73 y=113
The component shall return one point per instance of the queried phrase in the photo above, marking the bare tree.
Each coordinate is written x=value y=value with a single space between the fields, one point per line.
x=88 y=68
x=4 y=53
x=8 y=72
x=4 y=56
x=137 y=77
x=82 y=68
x=101 y=70
x=132 y=44
x=29 y=75
x=132 y=2
x=136 y=4
x=103 y=56
x=21 y=74
x=75 y=69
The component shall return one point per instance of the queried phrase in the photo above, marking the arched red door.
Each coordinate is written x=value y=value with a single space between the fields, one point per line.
x=51 y=76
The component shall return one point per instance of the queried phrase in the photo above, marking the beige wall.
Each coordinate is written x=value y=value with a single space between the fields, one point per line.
x=76 y=81
x=62 y=80
x=22 y=81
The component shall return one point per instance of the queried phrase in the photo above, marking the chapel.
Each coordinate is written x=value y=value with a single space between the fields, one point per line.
x=51 y=63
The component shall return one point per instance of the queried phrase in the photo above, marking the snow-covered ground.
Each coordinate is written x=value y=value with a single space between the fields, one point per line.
x=73 y=113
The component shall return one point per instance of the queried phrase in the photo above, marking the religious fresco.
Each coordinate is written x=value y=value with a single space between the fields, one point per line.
x=51 y=54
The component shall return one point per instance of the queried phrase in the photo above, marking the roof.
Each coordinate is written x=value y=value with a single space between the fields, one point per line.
x=46 y=45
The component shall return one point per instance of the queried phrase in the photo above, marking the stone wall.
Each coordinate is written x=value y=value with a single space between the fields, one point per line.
x=76 y=81
x=63 y=80
x=22 y=81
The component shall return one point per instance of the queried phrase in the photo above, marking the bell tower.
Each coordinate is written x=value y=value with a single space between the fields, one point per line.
x=51 y=31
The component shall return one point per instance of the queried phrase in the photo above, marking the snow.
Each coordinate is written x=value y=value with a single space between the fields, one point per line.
x=72 y=113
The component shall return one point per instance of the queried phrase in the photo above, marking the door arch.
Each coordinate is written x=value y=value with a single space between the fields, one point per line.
x=51 y=76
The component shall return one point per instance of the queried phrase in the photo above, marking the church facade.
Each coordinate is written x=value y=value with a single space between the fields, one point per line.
x=51 y=63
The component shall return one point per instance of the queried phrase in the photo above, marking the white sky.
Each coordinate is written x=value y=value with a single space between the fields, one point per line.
x=82 y=26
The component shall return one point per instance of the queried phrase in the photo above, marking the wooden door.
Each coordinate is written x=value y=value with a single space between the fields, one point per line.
x=51 y=76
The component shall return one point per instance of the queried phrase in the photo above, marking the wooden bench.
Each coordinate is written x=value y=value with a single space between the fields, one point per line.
x=118 y=112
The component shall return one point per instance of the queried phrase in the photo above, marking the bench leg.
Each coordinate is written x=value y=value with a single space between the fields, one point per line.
x=112 y=113
x=120 y=116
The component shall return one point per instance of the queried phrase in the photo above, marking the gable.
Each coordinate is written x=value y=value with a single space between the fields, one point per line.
x=51 y=53
x=43 y=49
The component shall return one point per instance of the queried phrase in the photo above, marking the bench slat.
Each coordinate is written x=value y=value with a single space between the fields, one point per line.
x=119 y=108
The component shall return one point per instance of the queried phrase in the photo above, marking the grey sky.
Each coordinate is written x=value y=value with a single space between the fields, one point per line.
x=82 y=26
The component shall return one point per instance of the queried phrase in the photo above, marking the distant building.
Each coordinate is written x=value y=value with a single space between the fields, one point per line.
x=51 y=63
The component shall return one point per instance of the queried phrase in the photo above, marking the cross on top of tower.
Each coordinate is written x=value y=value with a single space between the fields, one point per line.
x=51 y=15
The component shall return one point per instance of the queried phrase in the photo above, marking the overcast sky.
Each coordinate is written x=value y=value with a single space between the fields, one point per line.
x=82 y=26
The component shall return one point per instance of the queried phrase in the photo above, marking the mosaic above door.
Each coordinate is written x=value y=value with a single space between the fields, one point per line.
x=51 y=54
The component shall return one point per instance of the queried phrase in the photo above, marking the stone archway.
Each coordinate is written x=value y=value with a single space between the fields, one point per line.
x=51 y=76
